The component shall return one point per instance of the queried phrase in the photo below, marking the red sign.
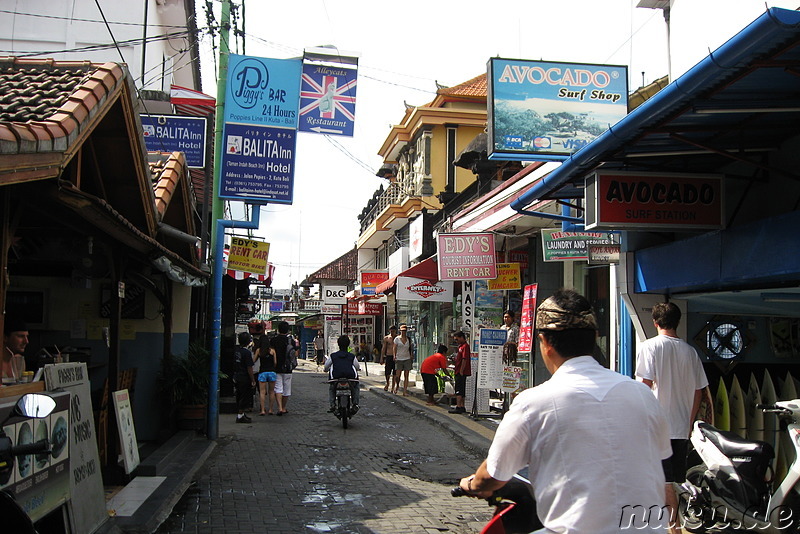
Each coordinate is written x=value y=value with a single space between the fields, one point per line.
x=363 y=307
x=372 y=279
x=655 y=200
x=466 y=256
x=528 y=316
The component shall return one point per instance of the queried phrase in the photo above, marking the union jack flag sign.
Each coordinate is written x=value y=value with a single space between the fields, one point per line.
x=328 y=99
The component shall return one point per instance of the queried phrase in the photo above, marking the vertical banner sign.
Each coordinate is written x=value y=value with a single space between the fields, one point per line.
x=466 y=256
x=328 y=99
x=490 y=358
x=87 y=502
x=259 y=139
x=528 y=316
x=468 y=308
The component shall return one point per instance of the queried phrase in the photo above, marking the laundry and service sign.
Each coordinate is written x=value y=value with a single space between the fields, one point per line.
x=260 y=134
x=563 y=246
x=540 y=110
x=678 y=201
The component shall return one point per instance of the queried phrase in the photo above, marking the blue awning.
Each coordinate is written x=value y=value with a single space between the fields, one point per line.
x=737 y=104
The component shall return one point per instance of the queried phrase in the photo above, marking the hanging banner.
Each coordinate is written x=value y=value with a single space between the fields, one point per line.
x=563 y=246
x=248 y=255
x=415 y=289
x=528 y=317
x=466 y=256
x=508 y=278
x=259 y=137
x=328 y=99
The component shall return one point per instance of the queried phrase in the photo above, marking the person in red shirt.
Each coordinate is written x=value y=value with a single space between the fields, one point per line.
x=462 y=371
x=428 y=369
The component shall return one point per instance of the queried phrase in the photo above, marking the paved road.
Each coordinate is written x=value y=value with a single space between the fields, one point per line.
x=390 y=472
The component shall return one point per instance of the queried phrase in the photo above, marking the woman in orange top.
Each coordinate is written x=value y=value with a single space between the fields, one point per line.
x=428 y=370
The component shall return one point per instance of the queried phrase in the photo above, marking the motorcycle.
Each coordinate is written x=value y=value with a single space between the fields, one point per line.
x=33 y=406
x=731 y=489
x=515 y=508
x=344 y=408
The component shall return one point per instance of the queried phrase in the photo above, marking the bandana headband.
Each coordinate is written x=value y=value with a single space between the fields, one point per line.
x=551 y=316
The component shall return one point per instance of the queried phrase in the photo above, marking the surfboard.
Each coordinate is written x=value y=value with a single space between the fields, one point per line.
x=738 y=415
x=786 y=455
x=755 y=417
x=722 y=413
x=768 y=396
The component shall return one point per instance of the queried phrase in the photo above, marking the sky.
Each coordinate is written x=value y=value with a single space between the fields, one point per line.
x=406 y=48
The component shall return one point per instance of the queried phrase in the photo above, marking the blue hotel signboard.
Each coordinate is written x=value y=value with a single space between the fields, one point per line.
x=259 y=139
x=173 y=133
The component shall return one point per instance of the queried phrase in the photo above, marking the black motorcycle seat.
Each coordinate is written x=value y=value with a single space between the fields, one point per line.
x=731 y=444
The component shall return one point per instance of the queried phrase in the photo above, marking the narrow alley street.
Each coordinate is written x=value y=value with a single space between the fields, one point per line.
x=391 y=471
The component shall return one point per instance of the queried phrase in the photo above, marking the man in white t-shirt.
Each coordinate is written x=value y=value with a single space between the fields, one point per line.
x=672 y=369
x=592 y=439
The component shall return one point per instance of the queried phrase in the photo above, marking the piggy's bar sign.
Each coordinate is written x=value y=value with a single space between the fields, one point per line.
x=653 y=200
x=466 y=256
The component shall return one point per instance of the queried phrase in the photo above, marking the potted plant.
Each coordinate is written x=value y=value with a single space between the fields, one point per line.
x=184 y=385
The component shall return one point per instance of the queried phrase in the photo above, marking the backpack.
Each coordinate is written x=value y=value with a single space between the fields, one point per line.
x=290 y=363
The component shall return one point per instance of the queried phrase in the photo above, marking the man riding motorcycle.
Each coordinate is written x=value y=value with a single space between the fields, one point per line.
x=342 y=364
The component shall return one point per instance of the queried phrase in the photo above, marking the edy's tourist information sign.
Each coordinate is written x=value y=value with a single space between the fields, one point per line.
x=653 y=200
x=563 y=246
x=466 y=256
x=540 y=110
x=248 y=255
x=259 y=139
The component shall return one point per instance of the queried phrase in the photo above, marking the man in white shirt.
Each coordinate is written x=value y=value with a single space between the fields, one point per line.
x=672 y=369
x=592 y=439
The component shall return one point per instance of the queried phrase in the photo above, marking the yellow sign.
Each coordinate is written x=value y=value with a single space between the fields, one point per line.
x=248 y=255
x=507 y=277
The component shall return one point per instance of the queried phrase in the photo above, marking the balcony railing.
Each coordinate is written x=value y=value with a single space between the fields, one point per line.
x=393 y=195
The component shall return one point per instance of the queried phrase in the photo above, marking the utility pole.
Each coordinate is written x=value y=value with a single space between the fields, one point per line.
x=217 y=232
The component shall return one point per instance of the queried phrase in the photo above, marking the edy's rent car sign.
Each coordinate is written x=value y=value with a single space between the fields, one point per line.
x=466 y=256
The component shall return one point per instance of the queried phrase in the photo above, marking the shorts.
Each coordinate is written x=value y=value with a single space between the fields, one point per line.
x=430 y=383
x=283 y=386
x=403 y=365
x=267 y=376
x=388 y=367
x=460 y=386
x=675 y=465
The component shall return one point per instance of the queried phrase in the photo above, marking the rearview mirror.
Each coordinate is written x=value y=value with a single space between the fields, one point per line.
x=35 y=405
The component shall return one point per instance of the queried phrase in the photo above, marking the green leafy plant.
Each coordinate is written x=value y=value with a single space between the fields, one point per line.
x=184 y=379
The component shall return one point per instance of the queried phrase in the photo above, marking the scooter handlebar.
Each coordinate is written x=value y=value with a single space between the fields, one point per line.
x=457 y=492
x=37 y=447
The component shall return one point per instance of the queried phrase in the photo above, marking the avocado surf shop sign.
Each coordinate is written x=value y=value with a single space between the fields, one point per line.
x=653 y=200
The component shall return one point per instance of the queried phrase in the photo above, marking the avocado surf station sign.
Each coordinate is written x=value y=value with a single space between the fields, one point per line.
x=674 y=201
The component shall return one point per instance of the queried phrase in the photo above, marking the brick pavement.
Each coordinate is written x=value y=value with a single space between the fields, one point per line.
x=390 y=472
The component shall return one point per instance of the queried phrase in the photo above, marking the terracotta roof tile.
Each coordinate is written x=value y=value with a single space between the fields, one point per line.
x=474 y=87
x=167 y=170
x=345 y=267
x=44 y=100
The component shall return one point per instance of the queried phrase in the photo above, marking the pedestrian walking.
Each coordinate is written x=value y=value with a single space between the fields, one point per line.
x=462 y=371
x=281 y=346
x=267 y=377
x=319 y=348
x=387 y=357
x=430 y=365
x=512 y=338
x=672 y=370
x=403 y=359
x=243 y=378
